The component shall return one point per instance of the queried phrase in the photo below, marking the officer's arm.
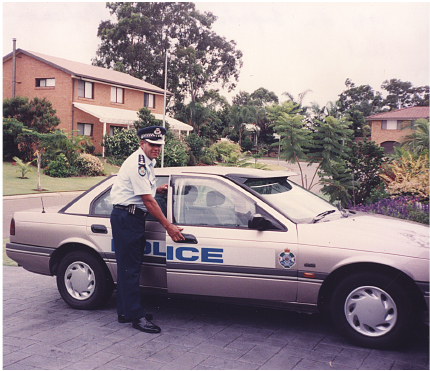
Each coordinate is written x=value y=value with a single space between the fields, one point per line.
x=153 y=208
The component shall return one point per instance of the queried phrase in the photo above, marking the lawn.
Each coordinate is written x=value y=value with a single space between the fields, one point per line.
x=14 y=185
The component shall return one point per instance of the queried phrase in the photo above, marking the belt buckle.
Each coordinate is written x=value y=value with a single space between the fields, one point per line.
x=132 y=209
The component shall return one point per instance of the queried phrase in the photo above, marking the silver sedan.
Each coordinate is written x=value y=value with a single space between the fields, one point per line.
x=253 y=237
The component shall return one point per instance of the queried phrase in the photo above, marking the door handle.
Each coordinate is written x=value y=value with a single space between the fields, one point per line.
x=189 y=238
x=99 y=228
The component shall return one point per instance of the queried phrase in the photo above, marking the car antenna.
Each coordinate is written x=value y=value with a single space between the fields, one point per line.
x=43 y=207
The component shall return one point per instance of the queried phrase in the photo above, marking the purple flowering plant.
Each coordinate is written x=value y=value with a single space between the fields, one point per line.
x=403 y=207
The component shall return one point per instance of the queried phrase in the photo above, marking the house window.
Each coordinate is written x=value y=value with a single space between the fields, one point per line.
x=42 y=83
x=391 y=125
x=116 y=94
x=148 y=100
x=115 y=128
x=85 y=129
x=85 y=89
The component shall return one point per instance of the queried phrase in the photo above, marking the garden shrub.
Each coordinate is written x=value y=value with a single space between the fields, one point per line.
x=175 y=152
x=246 y=144
x=365 y=161
x=223 y=150
x=121 y=145
x=89 y=165
x=206 y=160
x=60 y=167
x=196 y=145
x=408 y=176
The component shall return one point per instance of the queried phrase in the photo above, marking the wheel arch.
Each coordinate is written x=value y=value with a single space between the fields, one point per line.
x=330 y=283
x=63 y=250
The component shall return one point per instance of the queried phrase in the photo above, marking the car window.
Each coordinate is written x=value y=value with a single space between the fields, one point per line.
x=209 y=202
x=102 y=206
x=290 y=199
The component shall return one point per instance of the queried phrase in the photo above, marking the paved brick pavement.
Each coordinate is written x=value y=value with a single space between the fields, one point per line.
x=41 y=332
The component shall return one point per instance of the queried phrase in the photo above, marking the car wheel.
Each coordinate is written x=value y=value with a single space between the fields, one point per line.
x=83 y=281
x=372 y=310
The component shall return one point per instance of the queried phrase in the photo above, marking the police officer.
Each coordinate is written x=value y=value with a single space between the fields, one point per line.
x=133 y=197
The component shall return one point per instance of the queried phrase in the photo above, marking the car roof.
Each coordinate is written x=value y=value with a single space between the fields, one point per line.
x=227 y=171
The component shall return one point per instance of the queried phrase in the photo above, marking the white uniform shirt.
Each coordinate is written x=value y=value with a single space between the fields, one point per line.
x=136 y=177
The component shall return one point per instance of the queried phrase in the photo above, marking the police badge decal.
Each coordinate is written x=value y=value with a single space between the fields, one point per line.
x=287 y=259
x=142 y=170
x=141 y=166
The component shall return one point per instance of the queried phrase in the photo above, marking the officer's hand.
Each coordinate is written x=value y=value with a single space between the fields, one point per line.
x=162 y=189
x=175 y=233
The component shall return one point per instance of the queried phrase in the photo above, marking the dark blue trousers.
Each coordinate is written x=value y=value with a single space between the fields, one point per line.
x=128 y=232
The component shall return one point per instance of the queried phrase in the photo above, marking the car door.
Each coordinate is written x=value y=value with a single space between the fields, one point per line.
x=153 y=273
x=221 y=256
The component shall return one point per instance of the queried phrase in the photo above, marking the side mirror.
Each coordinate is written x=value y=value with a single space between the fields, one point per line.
x=260 y=223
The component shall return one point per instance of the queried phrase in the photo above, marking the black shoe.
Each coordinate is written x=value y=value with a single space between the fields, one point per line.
x=122 y=319
x=145 y=326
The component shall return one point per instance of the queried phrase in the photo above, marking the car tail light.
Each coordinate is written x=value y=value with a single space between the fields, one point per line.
x=12 y=227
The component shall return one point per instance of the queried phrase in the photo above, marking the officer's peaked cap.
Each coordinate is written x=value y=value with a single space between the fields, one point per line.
x=152 y=134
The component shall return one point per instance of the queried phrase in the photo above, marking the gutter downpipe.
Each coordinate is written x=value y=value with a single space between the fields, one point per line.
x=104 y=133
x=14 y=68
x=73 y=106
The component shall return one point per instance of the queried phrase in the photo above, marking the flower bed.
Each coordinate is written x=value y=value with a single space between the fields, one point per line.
x=403 y=207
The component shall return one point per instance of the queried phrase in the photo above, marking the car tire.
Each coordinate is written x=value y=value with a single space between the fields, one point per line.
x=372 y=310
x=83 y=281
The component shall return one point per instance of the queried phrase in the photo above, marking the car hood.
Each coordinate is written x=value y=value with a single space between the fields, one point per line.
x=369 y=232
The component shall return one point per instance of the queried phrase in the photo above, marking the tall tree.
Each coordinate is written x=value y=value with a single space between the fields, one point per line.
x=358 y=102
x=330 y=145
x=262 y=97
x=295 y=138
x=144 y=32
x=259 y=99
x=403 y=94
x=37 y=115
x=241 y=115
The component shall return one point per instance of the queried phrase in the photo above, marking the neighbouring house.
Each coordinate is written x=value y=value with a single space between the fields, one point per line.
x=387 y=128
x=90 y=100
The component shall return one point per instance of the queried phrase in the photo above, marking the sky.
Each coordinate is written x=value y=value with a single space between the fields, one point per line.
x=287 y=46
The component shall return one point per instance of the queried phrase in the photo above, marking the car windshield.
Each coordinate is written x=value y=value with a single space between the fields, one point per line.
x=295 y=202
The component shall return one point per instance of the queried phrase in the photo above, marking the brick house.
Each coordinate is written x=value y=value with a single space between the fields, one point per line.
x=386 y=128
x=92 y=100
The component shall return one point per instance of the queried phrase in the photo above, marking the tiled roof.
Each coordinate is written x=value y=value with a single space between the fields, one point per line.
x=410 y=113
x=92 y=72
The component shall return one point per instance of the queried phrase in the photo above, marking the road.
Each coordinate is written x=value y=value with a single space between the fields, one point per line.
x=26 y=202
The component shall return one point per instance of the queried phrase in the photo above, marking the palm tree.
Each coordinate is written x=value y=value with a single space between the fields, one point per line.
x=241 y=115
x=418 y=141
x=302 y=110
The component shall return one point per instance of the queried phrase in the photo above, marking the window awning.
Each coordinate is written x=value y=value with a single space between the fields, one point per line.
x=119 y=116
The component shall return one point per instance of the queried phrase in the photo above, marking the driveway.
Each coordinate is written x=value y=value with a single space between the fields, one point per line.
x=41 y=332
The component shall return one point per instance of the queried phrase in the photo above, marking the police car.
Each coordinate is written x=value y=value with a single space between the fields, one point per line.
x=252 y=236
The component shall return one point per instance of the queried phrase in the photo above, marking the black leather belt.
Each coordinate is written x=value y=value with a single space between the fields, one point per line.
x=131 y=209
